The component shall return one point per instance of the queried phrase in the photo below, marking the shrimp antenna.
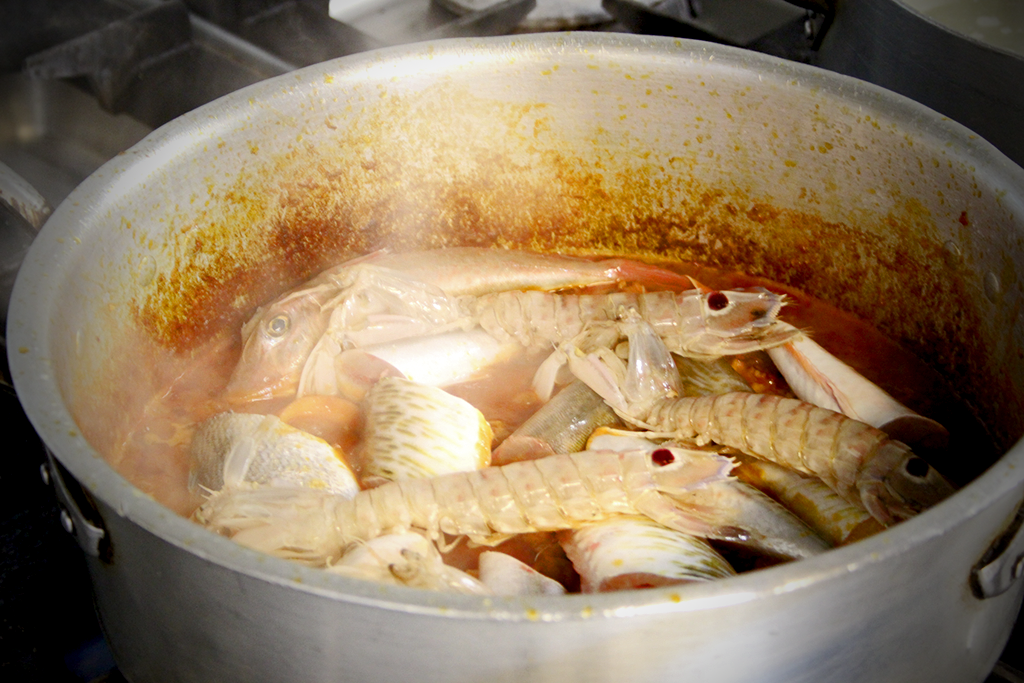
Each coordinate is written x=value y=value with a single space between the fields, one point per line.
x=700 y=287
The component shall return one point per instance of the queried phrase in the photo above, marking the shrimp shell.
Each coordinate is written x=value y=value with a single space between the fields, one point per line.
x=856 y=460
x=689 y=325
x=550 y=494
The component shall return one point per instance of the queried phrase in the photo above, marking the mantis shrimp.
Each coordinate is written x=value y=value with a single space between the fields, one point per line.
x=486 y=505
x=859 y=462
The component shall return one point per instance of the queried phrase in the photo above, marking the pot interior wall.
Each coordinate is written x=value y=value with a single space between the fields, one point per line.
x=653 y=148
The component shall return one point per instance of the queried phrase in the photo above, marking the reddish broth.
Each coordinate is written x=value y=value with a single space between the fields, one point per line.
x=154 y=456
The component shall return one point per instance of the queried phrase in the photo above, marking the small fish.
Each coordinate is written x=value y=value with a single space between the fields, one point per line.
x=562 y=425
x=832 y=517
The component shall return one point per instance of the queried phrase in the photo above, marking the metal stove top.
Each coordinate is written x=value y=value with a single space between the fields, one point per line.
x=82 y=80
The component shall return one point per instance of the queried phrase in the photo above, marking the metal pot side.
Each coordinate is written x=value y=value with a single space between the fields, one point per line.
x=577 y=143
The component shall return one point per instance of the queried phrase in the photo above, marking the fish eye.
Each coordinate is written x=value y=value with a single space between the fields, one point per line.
x=916 y=467
x=717 y=301
x=662 y=457
x=278 y=325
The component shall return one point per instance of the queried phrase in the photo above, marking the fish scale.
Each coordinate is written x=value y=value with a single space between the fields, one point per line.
x=416 y=431
x=231 y=449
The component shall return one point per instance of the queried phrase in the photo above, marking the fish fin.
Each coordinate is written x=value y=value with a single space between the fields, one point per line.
x=637 y=271
x=664 y=511
x=545 y=378
x=317 y=376
x=603 y=372
x=243 y=451
x=651 y=374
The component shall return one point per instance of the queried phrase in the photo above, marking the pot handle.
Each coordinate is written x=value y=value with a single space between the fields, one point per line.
x=87 y=528
x=1003 y=562
x=22 y=198
x=825 y=8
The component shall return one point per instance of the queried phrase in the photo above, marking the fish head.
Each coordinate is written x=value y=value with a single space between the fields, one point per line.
x=276 y=342
x=899 y=484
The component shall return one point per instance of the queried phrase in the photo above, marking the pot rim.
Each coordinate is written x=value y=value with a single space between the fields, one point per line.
x=38 y=391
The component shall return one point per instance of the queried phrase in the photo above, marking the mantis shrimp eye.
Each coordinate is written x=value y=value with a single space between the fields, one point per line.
x=278 y=325
x=916 y=467
x=662 y=457
x=717 y=301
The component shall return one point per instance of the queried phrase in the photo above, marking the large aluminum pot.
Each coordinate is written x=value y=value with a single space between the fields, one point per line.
x=578 y=143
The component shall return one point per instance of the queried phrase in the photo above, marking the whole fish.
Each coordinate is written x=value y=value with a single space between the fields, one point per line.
x=404 y=287
x=383 y=298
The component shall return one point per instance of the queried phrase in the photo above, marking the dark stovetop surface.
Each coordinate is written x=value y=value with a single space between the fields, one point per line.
x=48 y=629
